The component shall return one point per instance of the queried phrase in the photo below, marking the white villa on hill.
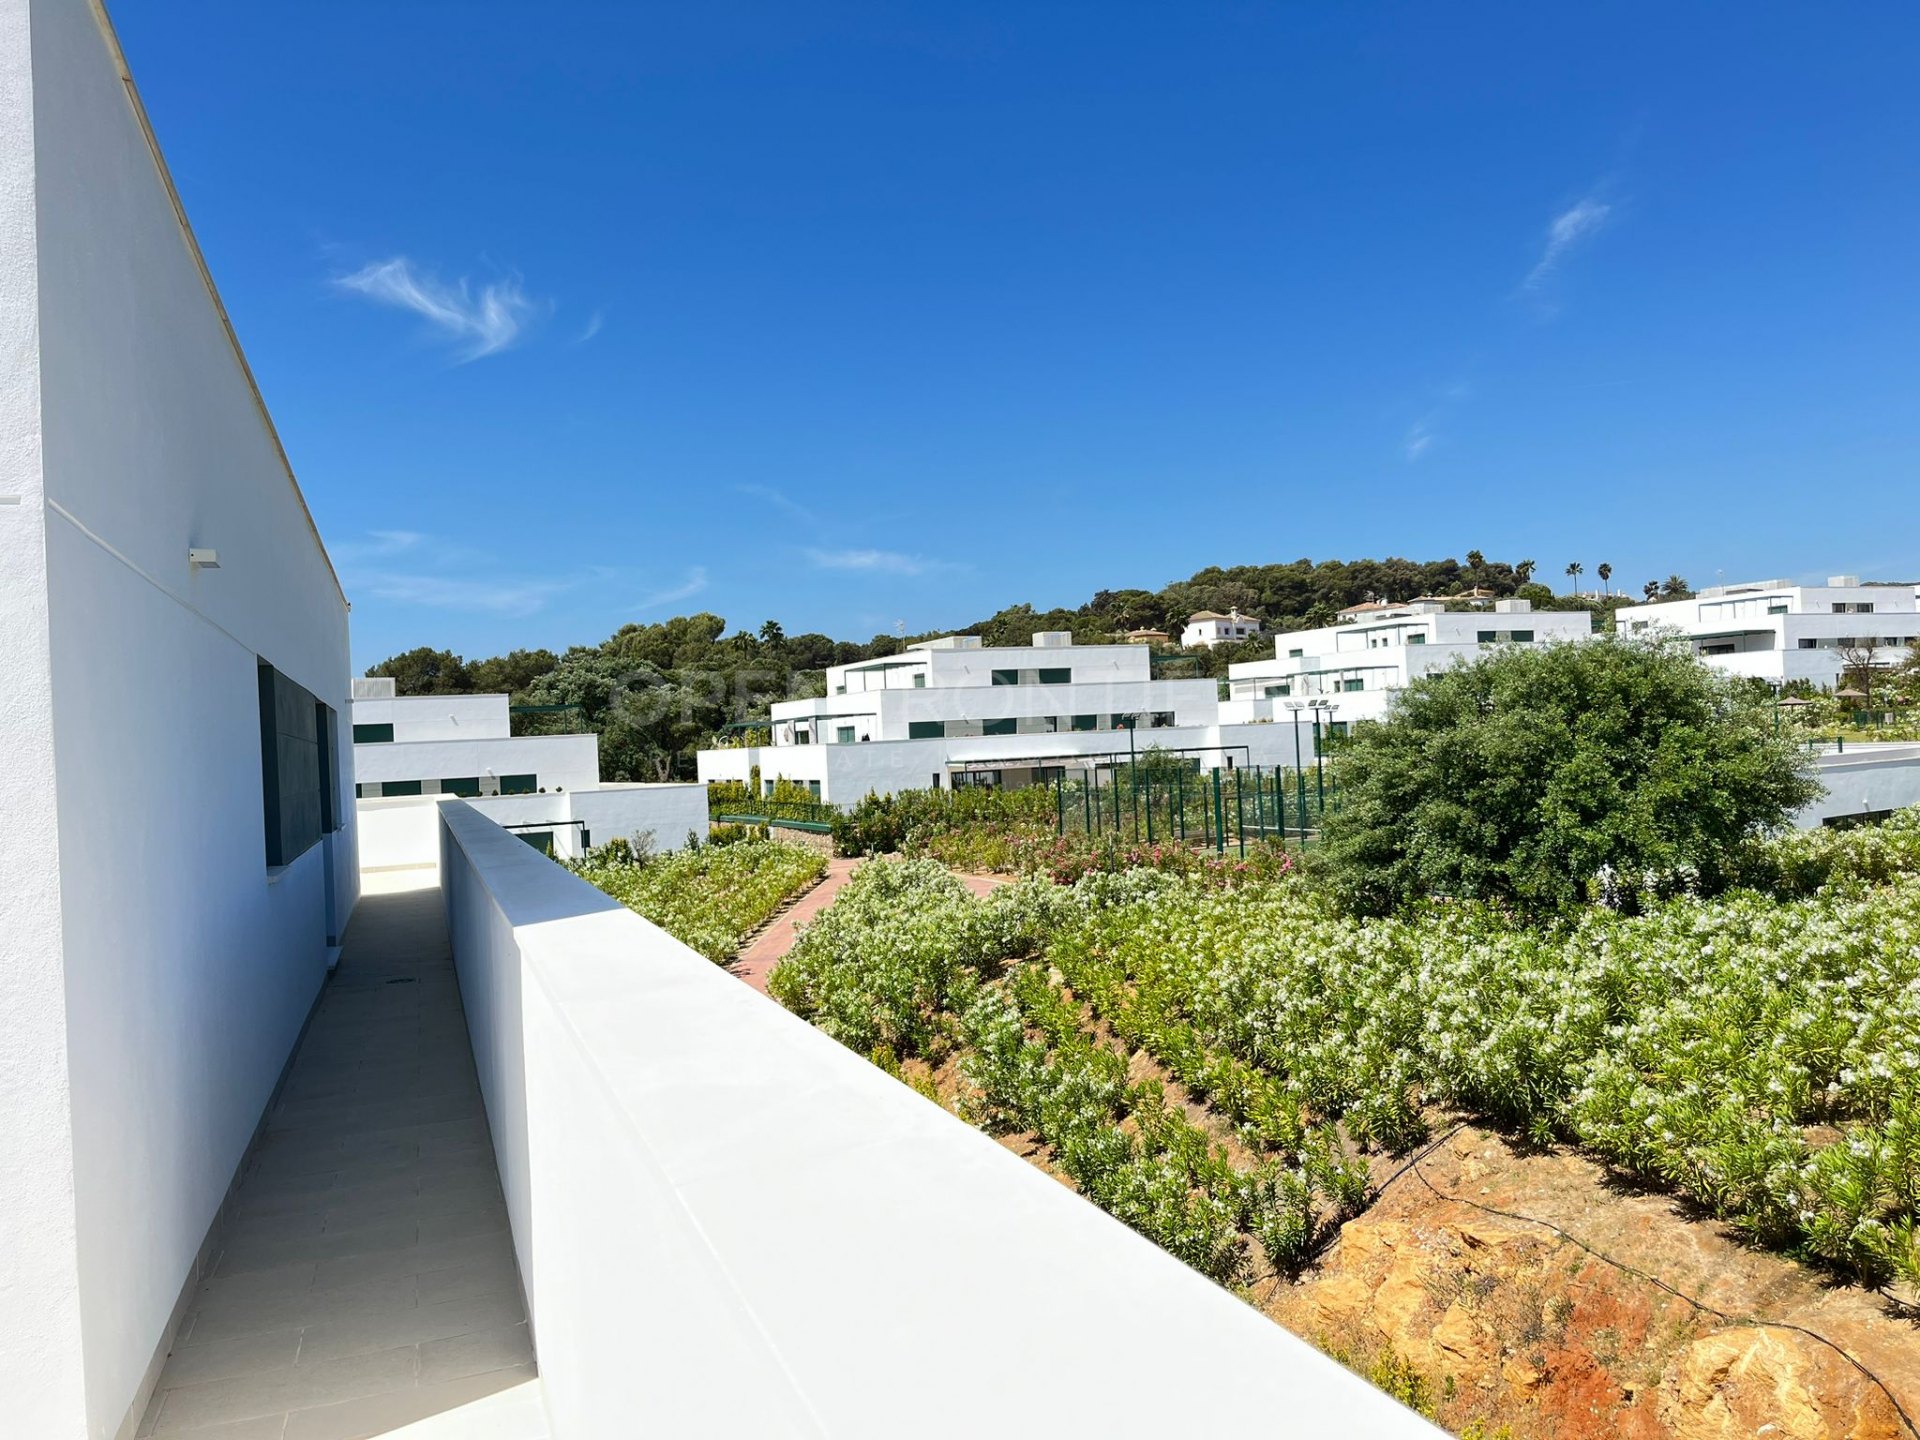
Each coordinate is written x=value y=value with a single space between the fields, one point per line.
x=953 y=712
x=1207 y=628
x=1779 y=631
x=1351 y=671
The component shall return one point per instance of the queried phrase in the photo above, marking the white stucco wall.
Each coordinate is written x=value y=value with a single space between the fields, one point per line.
x=568 y=762
x=405 y=832
x=1864 y=779
x=186 y=970
x=439 y=717
x=42 y=1378
x=650 y=1114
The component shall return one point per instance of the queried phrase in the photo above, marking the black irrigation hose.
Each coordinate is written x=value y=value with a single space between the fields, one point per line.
x=1411 y=1167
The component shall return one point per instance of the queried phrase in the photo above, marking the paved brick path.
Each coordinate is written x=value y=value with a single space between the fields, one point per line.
x=770 y=947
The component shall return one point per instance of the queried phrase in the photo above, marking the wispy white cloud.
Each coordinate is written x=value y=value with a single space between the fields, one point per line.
x=595 y=323
x=882 y=562
x=405 y=567
x=1418 y=440
x=780 y=500
x=1566 y=230
x=482 y=320
x=695 y=582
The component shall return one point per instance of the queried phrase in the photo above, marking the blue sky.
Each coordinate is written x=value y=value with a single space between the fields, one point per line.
x=854 y=314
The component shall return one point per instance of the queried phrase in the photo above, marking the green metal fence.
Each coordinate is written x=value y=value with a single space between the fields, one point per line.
x=779 y=814
x=1221 y=809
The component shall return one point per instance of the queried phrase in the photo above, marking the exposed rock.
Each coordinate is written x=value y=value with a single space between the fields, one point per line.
x=1748 y=1381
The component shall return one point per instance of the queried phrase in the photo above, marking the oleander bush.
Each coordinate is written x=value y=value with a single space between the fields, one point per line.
x=1756 y=1052
x=1539 y=777
x=712 y=897
x=914 y=822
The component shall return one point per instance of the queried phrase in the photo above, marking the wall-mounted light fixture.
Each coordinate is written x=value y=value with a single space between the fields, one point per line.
x=203 y=559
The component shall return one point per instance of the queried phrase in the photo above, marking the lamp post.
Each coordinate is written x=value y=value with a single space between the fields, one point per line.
x=1299 y=770
x=1319 y=762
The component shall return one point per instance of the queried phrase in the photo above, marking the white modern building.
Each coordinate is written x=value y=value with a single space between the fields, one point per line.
x=1350 y=672
x=1780 y=631
x=458 y=745
x=1207 y=628
x=953 y=712
x=177 y=863
x=410 y=751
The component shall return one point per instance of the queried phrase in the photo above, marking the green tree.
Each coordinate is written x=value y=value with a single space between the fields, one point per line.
x=1523 y=572
x=426 y=671
x=1605 y=572
x=1524 y=776
x=1574 y=571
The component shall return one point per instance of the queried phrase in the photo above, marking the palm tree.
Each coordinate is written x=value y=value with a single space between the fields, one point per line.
x=1573 y=574
x=1675 y=588
x=1523 y=572
x=1651 y=590
x=1605 y=572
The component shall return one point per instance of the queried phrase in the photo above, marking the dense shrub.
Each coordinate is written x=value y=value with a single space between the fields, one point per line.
x=913 y=822
x=709 y=896
x=1539 y=775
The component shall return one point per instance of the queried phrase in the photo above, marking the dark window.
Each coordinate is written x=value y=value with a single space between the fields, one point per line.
x=1056 y=677
x=1006 y=677
x=1486 y=637
x=1273 y=690
x=1160 y=720
x=372 y=734
x=1524 y=637
x=926 y=729
x=519 y=784
x=1353 y=684
x=1416 y=639
x=1086 y=722
x=541 y=840
x=290 y=767
x=401 y=787
x=813 y=788
x=999 y=727
x=363 y=792
x=467 y=786
x=843 y=734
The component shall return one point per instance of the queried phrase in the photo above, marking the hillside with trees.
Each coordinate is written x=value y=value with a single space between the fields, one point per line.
x=657 y=693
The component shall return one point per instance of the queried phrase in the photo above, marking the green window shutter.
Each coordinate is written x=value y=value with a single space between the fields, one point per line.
x=813 y=788
x=541 y=840
x=400 y=787
x=1353 y=684
x=520 y=785
x=1485 y=637
x=1416 y=639
x=999 y=727
x=1086 y=722
x=1006 y=677
x=926 y=729
x=919 y=680
x=1056 y=677
x=464 y=787
x=1523 y=636
x=843 y=734
x=372 y=734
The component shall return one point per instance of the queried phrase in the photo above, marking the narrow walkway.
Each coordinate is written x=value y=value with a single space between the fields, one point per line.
x=367 y=1279
x=770 y=946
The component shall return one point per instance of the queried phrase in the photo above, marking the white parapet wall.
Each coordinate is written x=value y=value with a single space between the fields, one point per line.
x=728 y=1224
x=1863 y=782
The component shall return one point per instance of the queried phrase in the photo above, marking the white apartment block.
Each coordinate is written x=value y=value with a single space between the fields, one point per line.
x=458 y=745
x=1207 y=628
x=410 y=751
x=1779 y=631
x=1350 y=672
x=953 y=712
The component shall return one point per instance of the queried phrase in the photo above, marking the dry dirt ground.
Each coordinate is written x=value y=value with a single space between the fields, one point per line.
x=1508 y=1323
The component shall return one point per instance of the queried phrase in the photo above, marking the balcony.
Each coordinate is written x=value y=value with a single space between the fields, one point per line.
x=564 y=1135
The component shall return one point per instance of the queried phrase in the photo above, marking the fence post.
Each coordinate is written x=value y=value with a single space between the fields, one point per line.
x=1240 y=814
x=1179 y=807
x=1219 y=818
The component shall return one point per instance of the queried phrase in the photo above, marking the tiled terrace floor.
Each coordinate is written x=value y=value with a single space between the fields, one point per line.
x=367 y=1280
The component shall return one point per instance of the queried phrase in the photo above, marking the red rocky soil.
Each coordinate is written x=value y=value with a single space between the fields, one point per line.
x=1509 y=1324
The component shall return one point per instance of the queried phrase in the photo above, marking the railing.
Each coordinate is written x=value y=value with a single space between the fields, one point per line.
x=781 y=814
x=727 y=1224
x=1218 y=809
